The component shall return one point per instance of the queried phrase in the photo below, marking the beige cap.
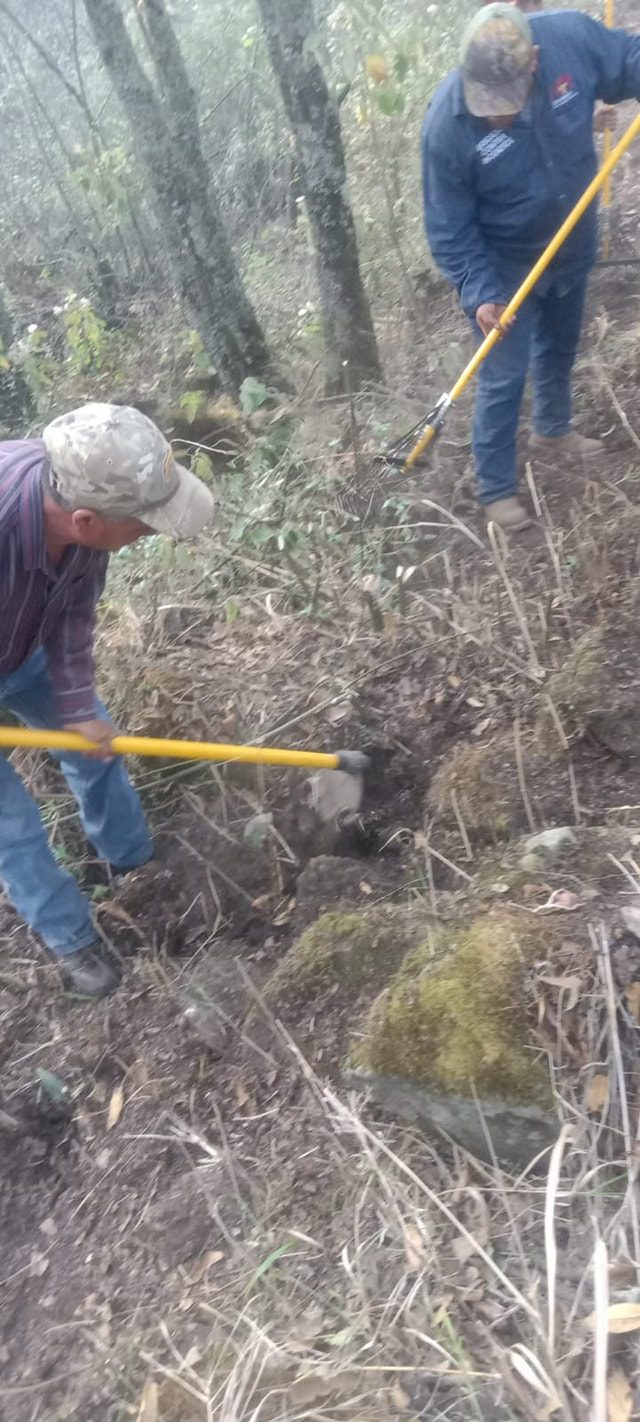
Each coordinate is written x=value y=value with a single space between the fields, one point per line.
x=115 y=461
x=496 y=58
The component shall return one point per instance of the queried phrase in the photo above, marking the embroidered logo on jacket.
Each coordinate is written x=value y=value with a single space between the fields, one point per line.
x=562 y=91
x=493 y=145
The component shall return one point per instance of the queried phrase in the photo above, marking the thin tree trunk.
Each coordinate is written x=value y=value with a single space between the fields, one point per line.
x=15 y=397
x=106 y=280
x=174 y=86
x=315 y=124
x=6 y=324
x=203 y=263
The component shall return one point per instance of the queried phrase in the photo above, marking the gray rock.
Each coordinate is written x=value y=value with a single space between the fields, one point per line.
x=549 y=843
x=630 y=915
x=331 y=794
x=206 y=1022
x=517 y=1133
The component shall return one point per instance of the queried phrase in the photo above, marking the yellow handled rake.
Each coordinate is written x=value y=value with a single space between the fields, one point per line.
x=353 y=762
x=407 y=451
x=609 y=17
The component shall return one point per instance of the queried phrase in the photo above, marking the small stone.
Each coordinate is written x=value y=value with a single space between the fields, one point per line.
x=530 y=863
x=332 y=793
x=550 y=843
x=630 y=915
x=203 y=1019
x=257 y=830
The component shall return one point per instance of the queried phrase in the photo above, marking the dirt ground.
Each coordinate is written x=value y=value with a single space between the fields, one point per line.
x=161 y=1161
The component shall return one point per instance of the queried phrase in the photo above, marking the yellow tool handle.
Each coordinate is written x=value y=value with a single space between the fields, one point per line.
x=528 y=284
x=609 y=16
x=11 y=736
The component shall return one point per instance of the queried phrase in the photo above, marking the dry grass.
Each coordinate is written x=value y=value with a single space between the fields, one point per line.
x=451 y=1290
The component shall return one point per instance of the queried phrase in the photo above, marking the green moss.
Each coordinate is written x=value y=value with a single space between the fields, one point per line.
x=341 y=949
x=579 y=691
x=461 y=1023
x=474 y=775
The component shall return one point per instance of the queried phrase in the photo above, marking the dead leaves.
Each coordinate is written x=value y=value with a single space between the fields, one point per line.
x=377 y=68
x=570 y=984
x=632 y=998
x=619 y=1397
x=148 y=1410
x=525 y=1363
x=206 y=1262
x=399 y=1398
x=116 y=1106
x=38 y=1264
x=414 y=1249
x=621 y=1318
x=597 y=1094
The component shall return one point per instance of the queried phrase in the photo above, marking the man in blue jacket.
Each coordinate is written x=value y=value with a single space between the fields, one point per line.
x=507 y=151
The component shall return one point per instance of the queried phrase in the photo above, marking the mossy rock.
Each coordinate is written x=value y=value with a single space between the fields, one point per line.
x=578 y=693
x=469 y=775
x=459 y=1020
x=596 y=691
x=482 y=781
x=346 y=951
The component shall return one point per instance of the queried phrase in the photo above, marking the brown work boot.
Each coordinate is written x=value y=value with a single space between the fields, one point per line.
x=509 y=514
x=568 y=446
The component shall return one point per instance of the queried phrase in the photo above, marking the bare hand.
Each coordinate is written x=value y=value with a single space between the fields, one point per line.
x=605 y=120
x=101 y=733
x=490 y=316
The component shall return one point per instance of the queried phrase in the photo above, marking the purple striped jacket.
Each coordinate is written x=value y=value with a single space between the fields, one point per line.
x=42 y=605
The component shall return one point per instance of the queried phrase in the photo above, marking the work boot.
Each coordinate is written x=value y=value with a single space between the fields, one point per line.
x=567 y=446
x=88 y=974
x=509 y=514
x=97 y=874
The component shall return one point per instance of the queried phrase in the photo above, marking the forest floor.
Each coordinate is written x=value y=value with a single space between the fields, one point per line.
x=197 y=1220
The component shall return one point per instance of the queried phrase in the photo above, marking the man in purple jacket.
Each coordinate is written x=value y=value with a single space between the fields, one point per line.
x=100 y=478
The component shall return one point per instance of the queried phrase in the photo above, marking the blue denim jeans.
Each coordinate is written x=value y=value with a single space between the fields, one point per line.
x=46 y=896
x=545 y=340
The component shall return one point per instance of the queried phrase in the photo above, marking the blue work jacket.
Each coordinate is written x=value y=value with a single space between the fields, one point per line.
x=494 y=198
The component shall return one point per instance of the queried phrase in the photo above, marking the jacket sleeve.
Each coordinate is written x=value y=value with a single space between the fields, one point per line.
x=70 y=648
x=455 y=239
x=615 y=56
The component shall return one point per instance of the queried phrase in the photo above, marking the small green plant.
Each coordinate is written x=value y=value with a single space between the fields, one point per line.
x=202 y=465
x=253 y=395
x=106 y=177
x=309 y=322
x=86 y=333
x=195 y=348
x=36 y=361
x=191 y=402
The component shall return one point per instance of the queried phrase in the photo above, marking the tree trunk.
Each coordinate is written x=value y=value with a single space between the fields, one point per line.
x=315 y=124
x=201 y=256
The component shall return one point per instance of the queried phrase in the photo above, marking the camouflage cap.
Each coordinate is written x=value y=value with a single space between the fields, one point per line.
x=115 y=461
x=496 y=54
